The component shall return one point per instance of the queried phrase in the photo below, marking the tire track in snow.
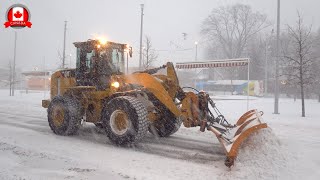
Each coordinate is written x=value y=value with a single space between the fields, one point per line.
x=175 y=147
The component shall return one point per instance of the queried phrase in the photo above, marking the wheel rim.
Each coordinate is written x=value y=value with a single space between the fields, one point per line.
x=58 y=115
x=119 y=122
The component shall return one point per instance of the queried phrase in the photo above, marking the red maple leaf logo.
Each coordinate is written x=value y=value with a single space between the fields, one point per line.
x=17 y=14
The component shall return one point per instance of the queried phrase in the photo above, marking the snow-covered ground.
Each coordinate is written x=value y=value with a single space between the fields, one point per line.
x=289 y=149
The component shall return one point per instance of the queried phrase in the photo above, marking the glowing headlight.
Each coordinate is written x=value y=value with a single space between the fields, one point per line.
x=102 y=41
x=115 y=84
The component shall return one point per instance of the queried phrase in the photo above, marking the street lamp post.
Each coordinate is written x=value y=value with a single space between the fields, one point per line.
x=64 y=45
x=196 y=57
x=70 y=63
x=45 y=77
x=14 y=64
x=276 y=89
x=10 y=77
x=144 y=54
x=127 y=61
x=266 y=70
x=141 y=31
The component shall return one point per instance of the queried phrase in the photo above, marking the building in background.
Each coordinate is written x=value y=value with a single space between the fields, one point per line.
x=237 y=87
x=37 y=80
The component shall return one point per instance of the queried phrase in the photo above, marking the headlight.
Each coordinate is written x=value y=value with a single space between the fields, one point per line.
x=102 y=40
x=115 y=84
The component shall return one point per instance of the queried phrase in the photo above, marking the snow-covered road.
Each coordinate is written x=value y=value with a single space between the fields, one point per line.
x=29 y=150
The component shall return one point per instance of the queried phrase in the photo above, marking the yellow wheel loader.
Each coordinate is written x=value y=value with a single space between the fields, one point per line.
x=127 y=106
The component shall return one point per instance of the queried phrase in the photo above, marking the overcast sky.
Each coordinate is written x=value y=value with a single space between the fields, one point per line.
x=119 y=21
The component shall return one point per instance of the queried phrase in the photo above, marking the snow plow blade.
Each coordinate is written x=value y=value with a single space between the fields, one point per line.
x=232 y=139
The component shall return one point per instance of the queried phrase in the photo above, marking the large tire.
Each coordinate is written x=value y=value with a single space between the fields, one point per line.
x=125 y=120
x=166 y=126
x=64 y=115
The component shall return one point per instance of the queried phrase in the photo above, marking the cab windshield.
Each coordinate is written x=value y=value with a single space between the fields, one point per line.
x=104 y=61
x=110 y=60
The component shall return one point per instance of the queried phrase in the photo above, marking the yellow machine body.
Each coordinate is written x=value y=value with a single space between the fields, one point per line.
x=157 y=92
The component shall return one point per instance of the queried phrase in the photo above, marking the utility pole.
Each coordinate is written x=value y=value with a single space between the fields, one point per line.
x=276 y=89
x=64 y=45
x=14 y=63
x=141 y=31
x=266 y=68
x=127 y=62
x=10 y=77
x=45 y=77
x=196 y=57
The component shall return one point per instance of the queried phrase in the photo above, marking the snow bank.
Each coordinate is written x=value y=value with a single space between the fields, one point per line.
x=261 y=156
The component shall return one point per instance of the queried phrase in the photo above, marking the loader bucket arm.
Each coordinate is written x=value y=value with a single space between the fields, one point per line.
x=155 y=87
x=164 y=87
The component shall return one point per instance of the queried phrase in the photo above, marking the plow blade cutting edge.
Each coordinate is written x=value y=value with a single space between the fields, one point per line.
x=232 y=139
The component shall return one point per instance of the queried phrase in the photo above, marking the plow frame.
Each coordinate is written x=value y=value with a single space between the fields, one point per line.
x=230 y=136
x=247 y=124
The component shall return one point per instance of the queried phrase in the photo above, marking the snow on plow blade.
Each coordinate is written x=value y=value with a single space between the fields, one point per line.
x=232 y=139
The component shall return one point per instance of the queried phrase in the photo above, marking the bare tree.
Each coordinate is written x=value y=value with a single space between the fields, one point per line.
x=229 y=29
x=259 y=50
x=6 y=77
x=232 y=26
x=149 y=54
x=298 y=58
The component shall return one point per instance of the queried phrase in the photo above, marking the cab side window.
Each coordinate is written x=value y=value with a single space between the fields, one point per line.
x=89 y=57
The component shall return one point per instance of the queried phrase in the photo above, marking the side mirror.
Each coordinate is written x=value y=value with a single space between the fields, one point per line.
x=130 y=52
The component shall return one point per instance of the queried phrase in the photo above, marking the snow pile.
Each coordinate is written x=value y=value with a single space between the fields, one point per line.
x=261 y=156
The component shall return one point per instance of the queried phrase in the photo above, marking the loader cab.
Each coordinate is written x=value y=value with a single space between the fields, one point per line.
x=97 y=61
